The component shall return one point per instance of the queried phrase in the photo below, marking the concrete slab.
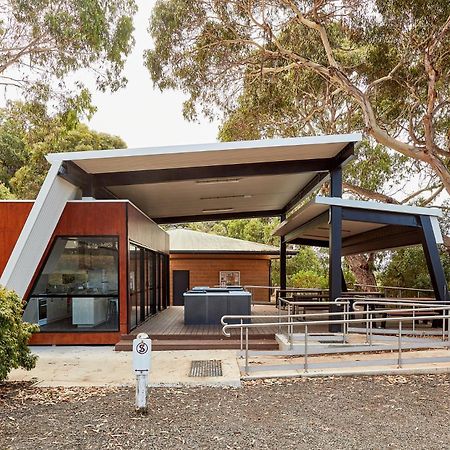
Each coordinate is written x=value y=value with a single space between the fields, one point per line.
x=102 y=366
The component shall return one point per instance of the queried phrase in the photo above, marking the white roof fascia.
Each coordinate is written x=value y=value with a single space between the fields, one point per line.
x=194 y=148
x=377 y=206
x=436 y=230
x=37 y=231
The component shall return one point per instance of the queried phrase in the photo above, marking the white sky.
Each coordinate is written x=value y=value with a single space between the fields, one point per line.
x=140 y=114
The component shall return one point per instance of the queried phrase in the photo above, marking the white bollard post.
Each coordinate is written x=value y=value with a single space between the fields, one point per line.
x=142 y=348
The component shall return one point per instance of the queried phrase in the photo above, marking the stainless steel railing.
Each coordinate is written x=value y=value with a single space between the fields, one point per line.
x=398 y=289
x=292 y=305
x=350 y=317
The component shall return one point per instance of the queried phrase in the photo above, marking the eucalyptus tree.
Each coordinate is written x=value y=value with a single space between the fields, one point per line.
x=43 y=41
x=387 y=62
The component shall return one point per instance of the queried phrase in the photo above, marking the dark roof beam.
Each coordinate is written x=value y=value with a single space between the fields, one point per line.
x=380 y=217
x=212 y=172
x=75 y=175
x=346 y=153
x=213 y=217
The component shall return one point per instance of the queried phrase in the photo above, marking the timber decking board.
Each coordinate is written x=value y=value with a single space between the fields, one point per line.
x=171 y=322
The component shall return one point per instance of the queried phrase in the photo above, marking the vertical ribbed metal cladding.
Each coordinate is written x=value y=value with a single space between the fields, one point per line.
x=206 y=368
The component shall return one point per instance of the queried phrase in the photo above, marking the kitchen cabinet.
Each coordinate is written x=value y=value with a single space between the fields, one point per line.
x=89 y=311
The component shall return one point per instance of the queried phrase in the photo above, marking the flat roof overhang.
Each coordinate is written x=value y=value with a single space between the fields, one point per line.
x=209 y=181
x=366 y=225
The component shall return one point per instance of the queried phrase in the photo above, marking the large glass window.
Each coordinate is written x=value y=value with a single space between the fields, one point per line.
x=77 y=289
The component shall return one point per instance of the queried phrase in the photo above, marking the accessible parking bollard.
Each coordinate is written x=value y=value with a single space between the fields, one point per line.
x=142 y=348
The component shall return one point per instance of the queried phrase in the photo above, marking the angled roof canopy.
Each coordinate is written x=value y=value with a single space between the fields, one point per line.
x=366 y=225
x=209 y=181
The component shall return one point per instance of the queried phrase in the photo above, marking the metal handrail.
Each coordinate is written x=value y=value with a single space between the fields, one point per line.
x=409 y=303
x=289 y=303
x=396 y=288
x=369 y=319
x=278 y=316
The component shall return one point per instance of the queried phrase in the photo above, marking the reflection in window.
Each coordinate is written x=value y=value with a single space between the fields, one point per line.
x=146 y=282
x=77 y=290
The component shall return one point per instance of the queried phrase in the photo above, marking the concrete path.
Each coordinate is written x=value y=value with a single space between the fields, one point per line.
x=386 y=363
x=102 y=366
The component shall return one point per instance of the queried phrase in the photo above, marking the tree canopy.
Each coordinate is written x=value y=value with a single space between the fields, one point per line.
x=378 y=65
x=28 y=132
x=42 y=41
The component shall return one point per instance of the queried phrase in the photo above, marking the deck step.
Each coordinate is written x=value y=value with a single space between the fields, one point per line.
x=125 y=345
x=181 y=337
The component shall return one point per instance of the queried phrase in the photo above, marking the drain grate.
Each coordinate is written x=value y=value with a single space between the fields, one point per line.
x=206 y=368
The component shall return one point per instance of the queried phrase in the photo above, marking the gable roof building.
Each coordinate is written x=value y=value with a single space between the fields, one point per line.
x=183 y=240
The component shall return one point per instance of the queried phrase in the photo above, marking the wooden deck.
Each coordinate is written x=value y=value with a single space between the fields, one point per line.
x=170 y=322
x=168 y=332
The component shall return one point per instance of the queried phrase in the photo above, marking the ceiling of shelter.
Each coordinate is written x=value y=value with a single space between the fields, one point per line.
x=199 y=197
x=310 y=225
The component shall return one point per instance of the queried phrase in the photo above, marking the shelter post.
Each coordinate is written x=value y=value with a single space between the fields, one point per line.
x=282 y=259
x=335 y=249
x=435 y=268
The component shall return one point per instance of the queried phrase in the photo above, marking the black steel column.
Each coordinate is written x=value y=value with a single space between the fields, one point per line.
x=434 y=263
x=335 y=249
x=344 y=283
x=282 y=259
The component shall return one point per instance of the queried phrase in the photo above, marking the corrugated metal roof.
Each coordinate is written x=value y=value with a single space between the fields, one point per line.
x=186 y=241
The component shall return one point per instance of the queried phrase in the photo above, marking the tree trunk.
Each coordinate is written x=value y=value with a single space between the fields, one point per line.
x=361 y=266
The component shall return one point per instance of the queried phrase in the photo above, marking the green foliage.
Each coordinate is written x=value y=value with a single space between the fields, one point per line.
x=5 y=193
x=52 y=39
x=378 y=169
x=33 y=132
x=14 y=335
x=255 y=230
x=307 y=260
x=308 y=279
x=407 y=268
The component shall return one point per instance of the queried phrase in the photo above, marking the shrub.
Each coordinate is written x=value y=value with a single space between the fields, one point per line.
x=14 y=335
x=308 y=279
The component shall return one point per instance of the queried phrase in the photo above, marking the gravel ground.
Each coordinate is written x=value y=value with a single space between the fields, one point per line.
x=326 y=413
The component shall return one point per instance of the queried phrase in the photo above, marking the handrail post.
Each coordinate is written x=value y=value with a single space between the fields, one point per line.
x=242 y=337
x=414 y=318
x=290 y=327
x=344 y=324
x=400 y=344
x=443 y=325
x=279 y=316
x=448 y=329
x=306 y=349
x=371 y=329
x=348 y=318
x=367 y=323
x=246 y=350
